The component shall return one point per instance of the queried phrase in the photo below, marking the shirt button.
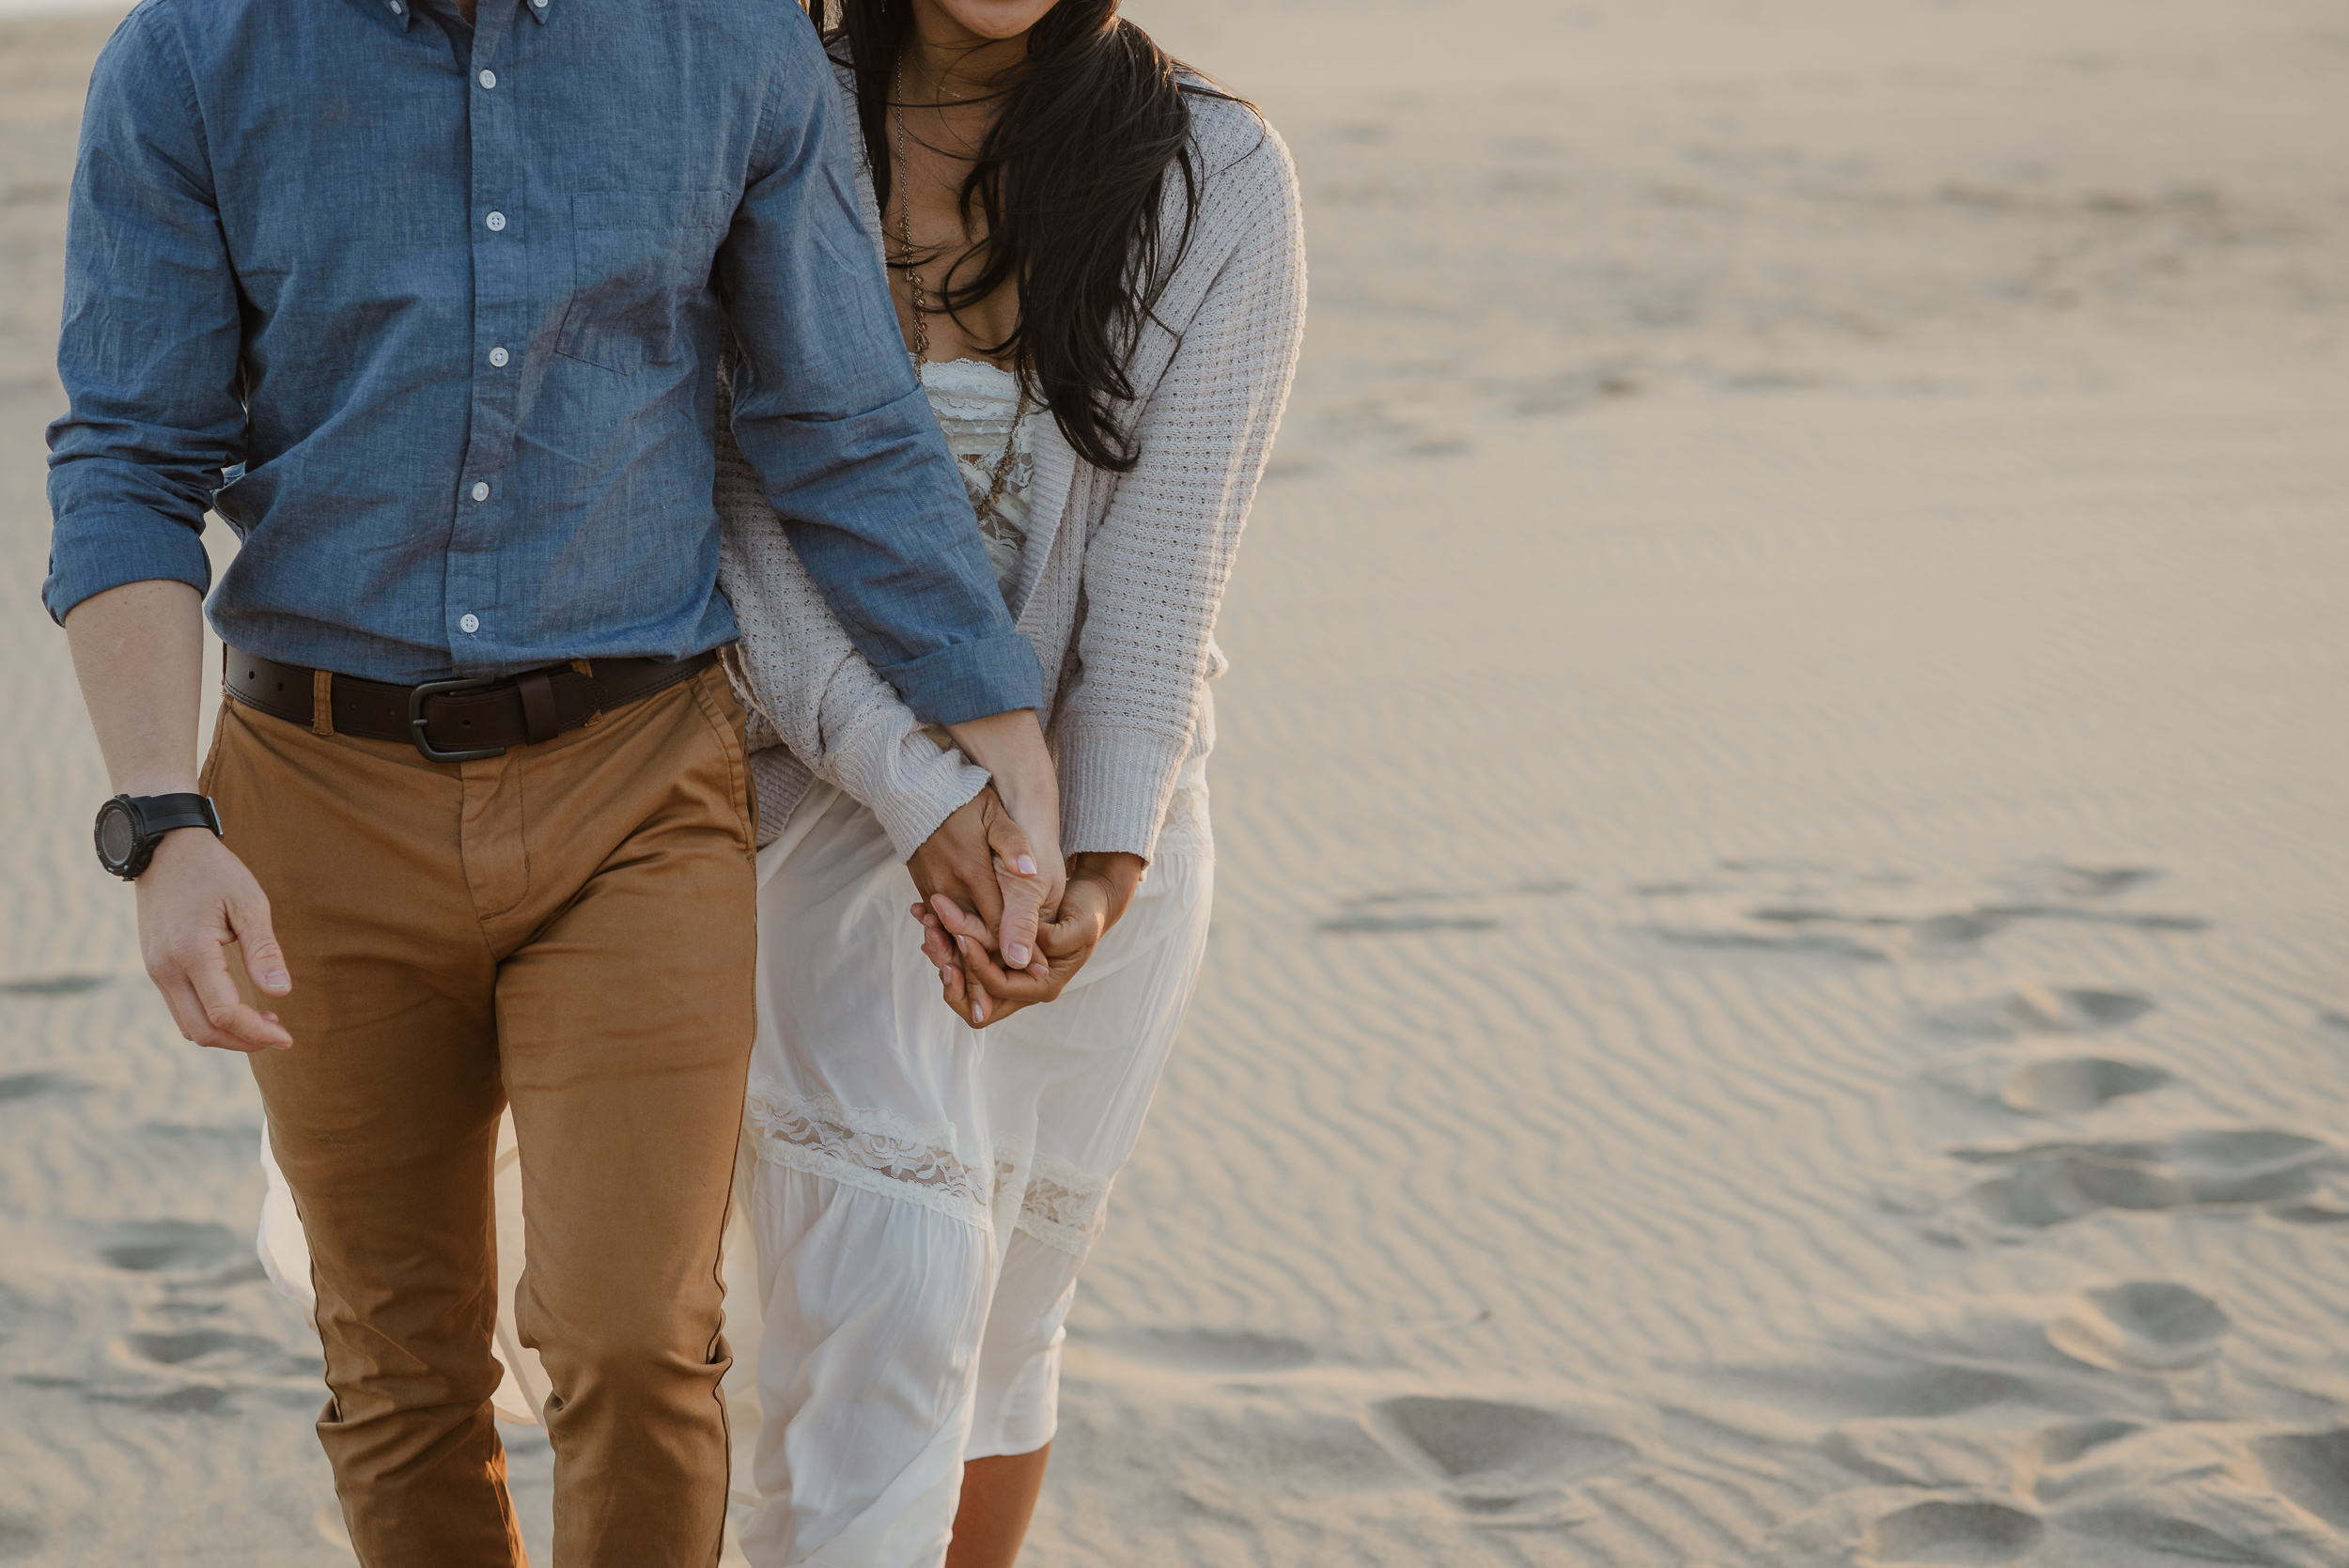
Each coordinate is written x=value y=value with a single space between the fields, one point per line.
x=394 y=5
x=469 y=625
x=481 y=489
x=496 y=222
x=489 y=79
x=498 y=357
x=539 y=4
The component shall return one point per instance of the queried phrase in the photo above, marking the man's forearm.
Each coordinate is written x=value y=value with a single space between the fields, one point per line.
x=138 y=652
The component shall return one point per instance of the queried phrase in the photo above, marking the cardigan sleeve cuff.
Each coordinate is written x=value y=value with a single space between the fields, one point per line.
x=1114 y=787
x=909 y=780
x=909 y=815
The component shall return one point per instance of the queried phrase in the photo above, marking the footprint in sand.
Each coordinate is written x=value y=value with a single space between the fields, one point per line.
x=2085 y=882
x=2060 y=1445
x=2076 y=1083
x=27 y=1086
x=1953 y=1531
x=1494 y=1458
x=53 y=984
x=19 y=1537
x=2001 y=913
x=196 y=1399
x=1210 y=1352
x=2313 y=1469
x=209 y=1345
x=173 y=1246
x=2039 y=1010
x=2045 y=1185
x=2144 y=1325
x=1946 y=934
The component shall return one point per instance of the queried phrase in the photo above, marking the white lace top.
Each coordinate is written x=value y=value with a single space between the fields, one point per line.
x=976 y=402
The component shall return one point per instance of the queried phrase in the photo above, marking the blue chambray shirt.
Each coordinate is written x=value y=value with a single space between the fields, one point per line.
x=440 y=341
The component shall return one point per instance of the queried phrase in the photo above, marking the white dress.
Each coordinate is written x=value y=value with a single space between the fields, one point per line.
x=924 y=1195
x=921 y=1195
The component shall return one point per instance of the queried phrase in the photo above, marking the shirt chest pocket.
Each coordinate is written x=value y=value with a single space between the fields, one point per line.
x=639 y=259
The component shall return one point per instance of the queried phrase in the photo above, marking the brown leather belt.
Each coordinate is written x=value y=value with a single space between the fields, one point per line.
x=454 y=721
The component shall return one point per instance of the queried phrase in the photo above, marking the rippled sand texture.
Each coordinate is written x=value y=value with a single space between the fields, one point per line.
x=1780 y=994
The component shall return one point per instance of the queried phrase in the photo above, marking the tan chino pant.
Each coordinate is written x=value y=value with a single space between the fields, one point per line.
x=566 y=928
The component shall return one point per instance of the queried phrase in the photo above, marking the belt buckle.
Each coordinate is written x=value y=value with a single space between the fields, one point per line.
x=416 y=695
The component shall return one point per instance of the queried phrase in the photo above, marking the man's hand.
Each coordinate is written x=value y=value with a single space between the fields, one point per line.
x=195 y=900
x=980 y=860
x=138 y=651
x=980 y=990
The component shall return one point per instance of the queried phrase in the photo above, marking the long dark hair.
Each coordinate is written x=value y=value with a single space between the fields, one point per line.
x=1069 y=180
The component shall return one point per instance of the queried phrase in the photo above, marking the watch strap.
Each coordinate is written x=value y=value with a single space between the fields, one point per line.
x=161 y=814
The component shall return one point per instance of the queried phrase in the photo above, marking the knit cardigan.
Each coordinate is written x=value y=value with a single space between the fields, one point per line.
x=1121 y=575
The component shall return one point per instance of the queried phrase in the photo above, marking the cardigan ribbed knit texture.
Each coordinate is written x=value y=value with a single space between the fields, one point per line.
x=1123 y=573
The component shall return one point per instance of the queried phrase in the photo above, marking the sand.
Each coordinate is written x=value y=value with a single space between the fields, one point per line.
x=1779 y=997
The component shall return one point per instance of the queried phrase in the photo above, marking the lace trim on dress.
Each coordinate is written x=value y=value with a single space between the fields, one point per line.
x=874 y=1149
x=1065 y=1208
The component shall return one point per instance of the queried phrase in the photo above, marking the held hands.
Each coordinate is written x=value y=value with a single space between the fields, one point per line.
x=983 y=991
x=196 y=899
x=981 y=859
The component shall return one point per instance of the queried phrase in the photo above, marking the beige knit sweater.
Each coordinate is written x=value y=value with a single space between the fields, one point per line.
x=1122 y=574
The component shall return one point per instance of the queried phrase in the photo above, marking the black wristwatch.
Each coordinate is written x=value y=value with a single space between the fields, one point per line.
x=129 y=826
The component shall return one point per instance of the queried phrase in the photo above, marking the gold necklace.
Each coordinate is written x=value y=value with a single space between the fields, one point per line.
x=921 y=350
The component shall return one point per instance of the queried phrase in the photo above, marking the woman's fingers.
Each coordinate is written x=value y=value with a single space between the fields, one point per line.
x=1022 y=986
x=1024 y=891
x=1024 y=903
x=1009 y=841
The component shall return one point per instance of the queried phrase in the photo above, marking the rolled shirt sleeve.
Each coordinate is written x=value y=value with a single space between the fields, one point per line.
x=828 y=410
x=149 y=354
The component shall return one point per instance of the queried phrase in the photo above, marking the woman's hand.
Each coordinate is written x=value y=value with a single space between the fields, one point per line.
x=1010 y=745
x=981 y=859
x=982 y=991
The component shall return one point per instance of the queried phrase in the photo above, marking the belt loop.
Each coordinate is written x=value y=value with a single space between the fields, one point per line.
x=322 y=702
x=539 y=721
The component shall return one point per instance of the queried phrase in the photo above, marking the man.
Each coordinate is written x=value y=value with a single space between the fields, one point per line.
x=428 y=306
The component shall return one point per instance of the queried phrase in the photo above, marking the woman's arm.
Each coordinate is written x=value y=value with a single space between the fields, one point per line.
x=848 y=725
x=1156 y=566
x=1153 y=575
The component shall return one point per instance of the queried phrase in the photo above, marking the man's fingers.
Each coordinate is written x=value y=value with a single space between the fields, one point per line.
x=227 y=1012
x=198 y=1022
x=939 y=948
x=264 y=960
x=187 y=1014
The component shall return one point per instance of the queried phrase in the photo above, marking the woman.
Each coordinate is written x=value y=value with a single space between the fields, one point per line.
x=1098 y=271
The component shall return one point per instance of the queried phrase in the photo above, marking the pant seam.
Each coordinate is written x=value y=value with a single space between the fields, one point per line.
x=737 y=766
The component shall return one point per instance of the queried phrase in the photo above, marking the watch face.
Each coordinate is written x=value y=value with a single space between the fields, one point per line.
x=117 y=835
